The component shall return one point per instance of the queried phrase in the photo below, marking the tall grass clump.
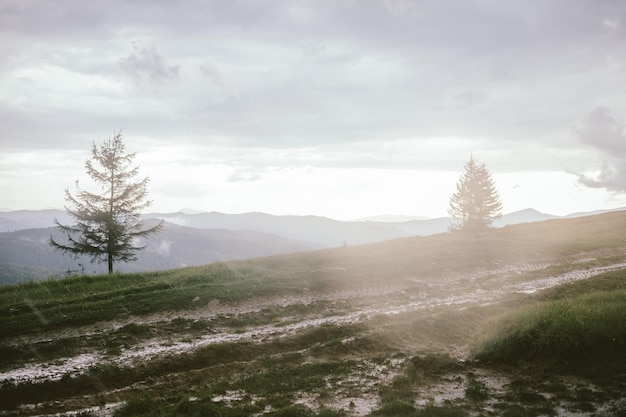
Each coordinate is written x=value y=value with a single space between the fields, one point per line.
x=582 y=332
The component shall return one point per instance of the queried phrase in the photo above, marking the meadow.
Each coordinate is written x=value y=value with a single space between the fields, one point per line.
x=520 y=321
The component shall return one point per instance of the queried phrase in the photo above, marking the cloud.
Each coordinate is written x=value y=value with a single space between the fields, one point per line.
x=607 y=135
x=602 y=131
x=164 y=248
x=611 y=23
x=398 y=7
x=243 y=176
x=146 y=64
x=212 y=73
x=342 y=83
x=314 y=73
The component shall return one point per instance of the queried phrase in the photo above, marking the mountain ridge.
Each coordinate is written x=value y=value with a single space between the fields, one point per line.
x=299 y=227
x=202 y=238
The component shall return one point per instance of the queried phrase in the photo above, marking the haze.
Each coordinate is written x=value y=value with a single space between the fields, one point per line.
x=345 y=109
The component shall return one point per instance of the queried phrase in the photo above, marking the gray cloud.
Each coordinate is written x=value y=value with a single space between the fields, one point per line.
x=258 y=89
x=312 y=75
x=146 y=64
x=212 y=73
x=603 y=132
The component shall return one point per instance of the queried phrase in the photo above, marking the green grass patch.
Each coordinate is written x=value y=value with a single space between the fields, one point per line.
x=579 y=326
x=84 y=300
x=608 y=282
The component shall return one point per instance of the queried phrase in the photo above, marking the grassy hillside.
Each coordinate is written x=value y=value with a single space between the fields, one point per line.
x=82 y=300
x=441 y=325
x=579 y=326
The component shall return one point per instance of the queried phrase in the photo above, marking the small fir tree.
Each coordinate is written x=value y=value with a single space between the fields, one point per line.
x=107 y=224
x=476 y=203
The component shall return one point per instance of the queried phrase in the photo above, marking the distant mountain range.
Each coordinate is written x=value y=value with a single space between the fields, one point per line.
x=26 y=254
x=201 y=238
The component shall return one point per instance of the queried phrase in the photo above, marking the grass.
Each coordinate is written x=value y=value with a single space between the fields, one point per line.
x=579 y=326
x=147 y=407
x=402 y=409
x=84 y=300
x=272 y=379
x=575 y=328
x=177 y=328
x=87 y=300
x=392 y=357
x=279 y=377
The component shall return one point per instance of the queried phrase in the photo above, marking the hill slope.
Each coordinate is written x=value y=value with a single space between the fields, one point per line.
x=207 y=237
x=378 y=329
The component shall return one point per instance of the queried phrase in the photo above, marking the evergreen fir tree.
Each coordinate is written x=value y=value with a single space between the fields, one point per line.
x=107 y=224
x=476 y=203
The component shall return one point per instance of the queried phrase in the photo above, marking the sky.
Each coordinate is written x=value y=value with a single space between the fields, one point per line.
x=338 y=108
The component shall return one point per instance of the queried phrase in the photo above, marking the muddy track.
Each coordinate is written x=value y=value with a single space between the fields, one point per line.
x=216 y=308
x=355 y=305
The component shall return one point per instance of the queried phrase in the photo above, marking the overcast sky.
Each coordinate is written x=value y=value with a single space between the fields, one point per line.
x=341 y=108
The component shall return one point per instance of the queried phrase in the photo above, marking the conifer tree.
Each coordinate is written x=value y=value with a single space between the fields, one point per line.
x=107 y=223
x=476 y=203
